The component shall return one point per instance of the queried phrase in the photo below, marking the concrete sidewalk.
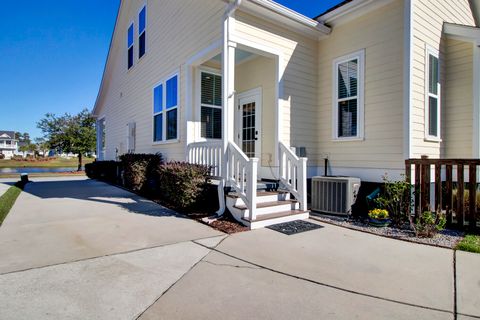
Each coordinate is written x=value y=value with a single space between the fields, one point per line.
x=56 y=221
x=4 y=187
x=81 y=249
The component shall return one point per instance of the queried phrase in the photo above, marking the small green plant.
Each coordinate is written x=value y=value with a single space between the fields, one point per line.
x=396 y=199
x=379 y=214
x=429 y=224
x=470 y=243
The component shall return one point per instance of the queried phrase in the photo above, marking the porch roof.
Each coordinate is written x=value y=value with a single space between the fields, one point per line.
x=462 y=32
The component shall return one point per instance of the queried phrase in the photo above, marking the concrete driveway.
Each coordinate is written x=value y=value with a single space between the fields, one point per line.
x=80 y=249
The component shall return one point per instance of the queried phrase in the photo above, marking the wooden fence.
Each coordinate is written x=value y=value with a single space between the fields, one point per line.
x=448 y=183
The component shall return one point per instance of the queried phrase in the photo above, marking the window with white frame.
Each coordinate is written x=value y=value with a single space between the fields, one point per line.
x=432 y=98
x=165 y=110
x=211 y=105
x=348 y=96
x=142 y=25
x=130 y=46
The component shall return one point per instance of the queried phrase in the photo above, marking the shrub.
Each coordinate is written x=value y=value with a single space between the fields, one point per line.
x=395 y=198
x=103 y=170
x=2 y=156
x=183 y=185
x=429 y=224
x=139 y=171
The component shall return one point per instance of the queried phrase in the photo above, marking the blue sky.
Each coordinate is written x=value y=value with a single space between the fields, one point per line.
x=53 y=53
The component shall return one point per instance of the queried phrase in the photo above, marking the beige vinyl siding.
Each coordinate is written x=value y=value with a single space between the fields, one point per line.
x=298 y=93
x=458 y=99
x=176 y=30
x=260 y=73
x=380 y=33
x=428 y=18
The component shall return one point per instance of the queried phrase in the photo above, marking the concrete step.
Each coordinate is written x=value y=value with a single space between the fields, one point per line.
x=270 y=207
x=274 y=218
x=262 y=196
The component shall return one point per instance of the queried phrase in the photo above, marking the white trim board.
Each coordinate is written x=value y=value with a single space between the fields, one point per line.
x=365 y=174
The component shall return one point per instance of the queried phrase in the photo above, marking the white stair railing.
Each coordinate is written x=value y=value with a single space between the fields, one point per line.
x=293 y=174
x=242 y=177
x=208 y=153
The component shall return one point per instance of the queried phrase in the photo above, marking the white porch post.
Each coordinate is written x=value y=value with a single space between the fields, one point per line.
x=228 y=92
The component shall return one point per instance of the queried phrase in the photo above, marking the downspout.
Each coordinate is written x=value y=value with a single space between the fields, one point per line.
x=229 y=11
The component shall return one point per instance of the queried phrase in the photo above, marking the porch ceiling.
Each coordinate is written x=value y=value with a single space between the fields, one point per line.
x=240 y=56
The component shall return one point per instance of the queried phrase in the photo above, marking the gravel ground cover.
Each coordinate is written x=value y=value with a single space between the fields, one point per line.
x=445 y=239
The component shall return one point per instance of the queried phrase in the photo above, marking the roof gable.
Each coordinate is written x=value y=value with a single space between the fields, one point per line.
x=7 y=134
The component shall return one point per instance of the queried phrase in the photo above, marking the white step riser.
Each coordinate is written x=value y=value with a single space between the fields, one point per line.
x=266 y=223
x=263 y=199
x=274 y=209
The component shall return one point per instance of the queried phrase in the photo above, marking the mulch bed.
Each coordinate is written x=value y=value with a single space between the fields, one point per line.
x=444 y=239
x=226 y=223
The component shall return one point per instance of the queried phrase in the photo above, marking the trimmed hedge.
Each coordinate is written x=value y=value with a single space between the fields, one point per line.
x=183 y=185
x=103 y=170
x=180 y=185
x=139 y=171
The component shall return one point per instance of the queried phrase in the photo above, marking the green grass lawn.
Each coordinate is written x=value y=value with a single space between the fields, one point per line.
x=470 y=243
x=58 y=162
x=7 y=200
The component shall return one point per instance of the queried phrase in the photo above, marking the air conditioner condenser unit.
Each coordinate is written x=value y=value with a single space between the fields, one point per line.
x=334 y=195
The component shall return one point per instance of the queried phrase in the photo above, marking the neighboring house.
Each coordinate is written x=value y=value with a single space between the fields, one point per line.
x=8 y=144
x=366 y=85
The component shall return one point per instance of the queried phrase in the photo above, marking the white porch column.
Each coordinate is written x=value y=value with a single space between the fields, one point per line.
x=228 y=92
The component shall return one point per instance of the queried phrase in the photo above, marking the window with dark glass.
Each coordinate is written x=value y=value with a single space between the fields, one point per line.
x=158 y=113
x=211 y=105
x=165 y=110
x=433 y=99
x=347 y=98
x=142 y=34
x=130 y=47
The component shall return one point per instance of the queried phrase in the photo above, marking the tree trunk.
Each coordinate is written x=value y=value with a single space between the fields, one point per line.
x=79 y=162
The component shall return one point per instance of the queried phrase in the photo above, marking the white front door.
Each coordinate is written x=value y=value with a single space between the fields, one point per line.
x=249 y=122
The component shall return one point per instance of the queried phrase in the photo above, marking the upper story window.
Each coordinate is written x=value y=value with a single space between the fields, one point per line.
x=211 y=105
x=348 y=96
x=130 y=46
x=165 y=110
x=432 y=98
x=142 y=25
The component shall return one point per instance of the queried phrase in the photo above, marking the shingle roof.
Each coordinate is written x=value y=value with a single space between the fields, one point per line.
x=341 y=4
x=10 y=134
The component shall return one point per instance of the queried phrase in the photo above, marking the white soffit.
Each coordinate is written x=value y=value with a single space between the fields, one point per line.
x=462 y=32
x=286 y=17
x=350 y=11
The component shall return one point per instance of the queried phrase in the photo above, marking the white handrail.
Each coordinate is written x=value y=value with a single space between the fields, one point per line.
x=242 y=177
x=208 y=153
x=293 y=174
